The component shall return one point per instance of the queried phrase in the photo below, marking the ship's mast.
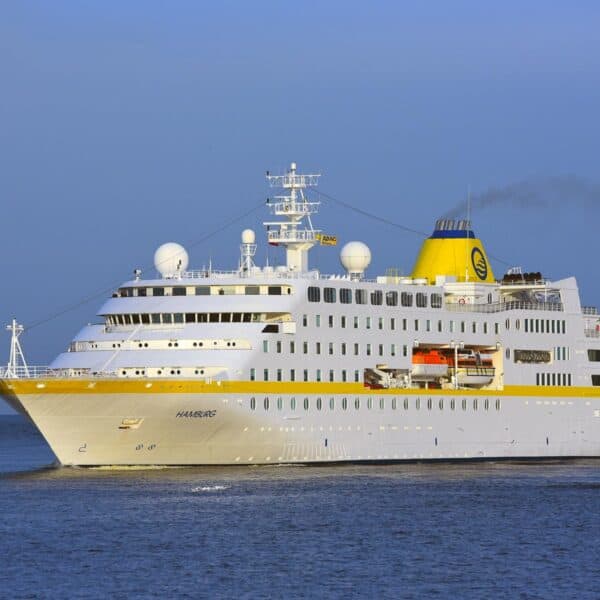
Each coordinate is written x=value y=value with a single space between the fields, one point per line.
x=16 y=361
x=294 y=207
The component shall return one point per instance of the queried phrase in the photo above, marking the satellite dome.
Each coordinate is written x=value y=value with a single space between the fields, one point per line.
x=355 y=257
x=170 y=259
x=248 y=236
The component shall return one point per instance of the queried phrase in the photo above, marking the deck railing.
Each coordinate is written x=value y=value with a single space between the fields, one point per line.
x=496 y=307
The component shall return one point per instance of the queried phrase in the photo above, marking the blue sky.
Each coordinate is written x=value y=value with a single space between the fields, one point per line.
x=127 y=124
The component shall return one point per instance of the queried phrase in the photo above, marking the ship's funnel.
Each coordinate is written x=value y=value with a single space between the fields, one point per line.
x=453 y=250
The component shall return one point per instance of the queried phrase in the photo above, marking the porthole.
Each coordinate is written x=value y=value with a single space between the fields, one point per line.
x=170 y=344
x=145 y=344
x=124 y=372
x=172 y=372
x=228 y=344
x=233 y=343
x=176 y=344
x=195 y=344
x=140 y=345
x=137 y=372
x=201 y=371
x=201 y=344
x=159 y=372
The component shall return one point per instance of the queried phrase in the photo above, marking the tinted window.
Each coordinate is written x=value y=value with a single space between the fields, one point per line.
x=178 y=291
x=329 y=294
x=314 y=294
x=391 y=298
x=421 y=300
x=377 y=297
x=360 y=296
x=436 y=301
x=158 y=291
x=274 y=290
x=406 y=299
x=252 y=290
x=345 y=296
x=202 y=290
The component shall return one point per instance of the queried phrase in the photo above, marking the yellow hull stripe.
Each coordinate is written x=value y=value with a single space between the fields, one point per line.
x=11 y=387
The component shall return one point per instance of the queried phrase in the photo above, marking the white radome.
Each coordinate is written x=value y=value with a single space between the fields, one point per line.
x=248 y=236
x=355 y=257
x=171 y=259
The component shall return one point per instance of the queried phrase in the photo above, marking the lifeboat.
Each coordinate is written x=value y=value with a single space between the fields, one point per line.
x=429 y=364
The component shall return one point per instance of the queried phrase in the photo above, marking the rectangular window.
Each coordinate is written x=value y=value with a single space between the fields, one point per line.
x=436 y=301
x=344 y=375
x=393 y=324
x=292 y=347
x=368 y=323
x=178 y=291
x=356 y=349
x=404 y=350
x=380 y=322
x=145 y=319
x=266 y=375
x=393 y=349
x=274 y=290
x=252 y=290
x=368 y=349
x=226 y=318
x=474 y=327
x=331 y=375
x=439 y=327
x=265 y=345
x=178 y=318
x=305 y=374
x=314 y=294
x=377 y=297
x=404 y=324
x=329 y=295
x=278 y=374
x=278 y=347
x=330 y=349
x=360 y=296
x=317 y=347
x=304 y=347
x=343 y=322
x=345 y=296
x=304 y=320
x=142 y=291
x=380 y=349
x=356 y=376
x=317 y=320
x=421 y=300
x=292 y=374
x=190 y=317
x=155 y=319
x=343 y=348
x=158 y=291
x=427 y=325
x=406 y=299
x=213 y=317
x=252 y=374
x=485 y=327
x=330 y=320
x=416 y=324
x=167 y=318
x=355 y=322
x=318 y=375
x=462 y=326
x=391 y=298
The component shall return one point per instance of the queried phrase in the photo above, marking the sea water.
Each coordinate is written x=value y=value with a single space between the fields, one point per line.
x=419 y=530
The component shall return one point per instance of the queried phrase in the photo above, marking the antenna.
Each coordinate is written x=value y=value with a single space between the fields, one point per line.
x=16 y=361
x=294 y=208
x=468 y=232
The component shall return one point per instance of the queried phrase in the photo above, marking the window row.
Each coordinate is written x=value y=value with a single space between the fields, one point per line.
x=373 y=403
x=332 y=348
x=556 y=379
x=203 y=290
x=392 y=323
x=374 y=297
x=304 y=375
x=540 y=325
x=179 y=318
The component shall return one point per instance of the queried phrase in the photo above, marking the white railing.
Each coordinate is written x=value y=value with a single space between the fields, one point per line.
x=22 y=372
x=591 y=333
x=292 y=235
x=589 y=310
x=504 y=306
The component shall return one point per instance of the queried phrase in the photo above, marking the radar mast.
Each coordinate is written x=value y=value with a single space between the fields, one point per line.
x=296 y=238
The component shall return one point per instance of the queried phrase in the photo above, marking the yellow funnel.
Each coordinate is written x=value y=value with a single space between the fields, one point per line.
x=453 y=250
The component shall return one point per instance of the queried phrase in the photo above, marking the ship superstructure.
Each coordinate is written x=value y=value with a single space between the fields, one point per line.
x=286 y=364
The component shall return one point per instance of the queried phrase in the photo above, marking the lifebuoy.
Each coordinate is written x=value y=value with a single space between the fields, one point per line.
x=461 y=300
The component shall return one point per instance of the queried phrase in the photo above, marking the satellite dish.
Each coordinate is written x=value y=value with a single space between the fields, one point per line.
x=171 y=260
x=355 y=258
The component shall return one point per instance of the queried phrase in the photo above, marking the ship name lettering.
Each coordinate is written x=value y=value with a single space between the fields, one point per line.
x=197 y=414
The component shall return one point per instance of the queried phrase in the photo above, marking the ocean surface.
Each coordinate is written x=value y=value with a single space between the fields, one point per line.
x=474 y=530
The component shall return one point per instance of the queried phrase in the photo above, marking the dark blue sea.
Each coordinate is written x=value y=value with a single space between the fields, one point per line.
x=475 y=530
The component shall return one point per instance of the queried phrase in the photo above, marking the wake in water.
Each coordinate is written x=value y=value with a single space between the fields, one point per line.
x=210 y=488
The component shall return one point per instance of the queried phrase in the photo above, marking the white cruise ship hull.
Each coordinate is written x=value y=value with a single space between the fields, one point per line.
x=222 y=426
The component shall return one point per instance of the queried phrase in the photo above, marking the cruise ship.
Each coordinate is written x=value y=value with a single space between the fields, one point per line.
x=284 y=364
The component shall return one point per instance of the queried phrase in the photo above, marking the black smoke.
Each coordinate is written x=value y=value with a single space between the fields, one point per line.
x=540 y=192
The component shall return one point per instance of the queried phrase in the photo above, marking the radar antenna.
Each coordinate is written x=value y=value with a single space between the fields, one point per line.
x=16 y=361
x=295 y=208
